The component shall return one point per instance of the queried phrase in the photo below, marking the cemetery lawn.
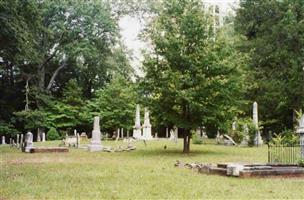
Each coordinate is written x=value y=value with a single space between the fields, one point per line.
x=146 y=173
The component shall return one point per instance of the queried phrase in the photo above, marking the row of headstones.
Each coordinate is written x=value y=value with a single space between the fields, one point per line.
x=21 y=142
x=20 y=139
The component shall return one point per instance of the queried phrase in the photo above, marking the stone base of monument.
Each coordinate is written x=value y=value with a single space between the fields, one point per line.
x=95 y=147
x=246 y=170
x=49 y=150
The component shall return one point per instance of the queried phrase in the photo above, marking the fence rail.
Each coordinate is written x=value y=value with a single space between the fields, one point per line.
x=284 y=154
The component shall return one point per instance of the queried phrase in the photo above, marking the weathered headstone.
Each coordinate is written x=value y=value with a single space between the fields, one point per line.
x=174 y=134
x=300 y=130
x=43 y=137
x=147 y=127
x=3 y=139
x=29 y=142
x=257 y=139
x=75 y=132
x=95 y=144
x=218 y=138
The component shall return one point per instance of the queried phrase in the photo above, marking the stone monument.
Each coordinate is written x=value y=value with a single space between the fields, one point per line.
x=137 y=126
x=28 y=142
x=147 y=127
x=43 y=136
x=95 y=144
x=3 y=139
x=257 y=139
x=300 y=130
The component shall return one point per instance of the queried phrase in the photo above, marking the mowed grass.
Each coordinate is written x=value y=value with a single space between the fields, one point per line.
x=146 y=173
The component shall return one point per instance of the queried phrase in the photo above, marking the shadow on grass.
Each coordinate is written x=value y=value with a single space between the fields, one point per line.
x=178 y=152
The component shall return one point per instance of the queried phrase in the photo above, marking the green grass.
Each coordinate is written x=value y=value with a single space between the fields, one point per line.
x=146 y=173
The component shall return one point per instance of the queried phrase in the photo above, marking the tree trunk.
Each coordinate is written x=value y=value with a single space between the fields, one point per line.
x=186 y=134
x=41 y=77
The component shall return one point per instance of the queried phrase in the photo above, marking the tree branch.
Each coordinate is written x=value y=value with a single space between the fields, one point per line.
x=52 y=80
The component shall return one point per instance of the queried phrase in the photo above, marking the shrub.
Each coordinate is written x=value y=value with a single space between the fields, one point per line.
x=301 y=162
x=197 y=139
x=52 y=134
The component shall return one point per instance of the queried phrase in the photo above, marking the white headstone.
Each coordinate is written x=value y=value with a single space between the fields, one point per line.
x=137 y=126
x=29 y=142
x=257 y=139
x=147 y=127
x=43 y=136
x=3 y=139
x=174 y=134
x=75 y=132
x=95 y=144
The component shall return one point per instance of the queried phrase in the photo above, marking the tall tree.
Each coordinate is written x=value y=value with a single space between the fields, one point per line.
x=274 y=34
x=192 y=77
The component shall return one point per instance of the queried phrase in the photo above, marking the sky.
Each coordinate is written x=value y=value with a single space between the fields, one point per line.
x=131 y=27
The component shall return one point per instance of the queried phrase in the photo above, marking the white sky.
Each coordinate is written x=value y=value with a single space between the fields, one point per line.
x=131 y=27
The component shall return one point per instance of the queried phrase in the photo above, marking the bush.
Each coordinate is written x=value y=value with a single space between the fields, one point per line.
x=197 y=139
x=52 y=134
x=301 y=162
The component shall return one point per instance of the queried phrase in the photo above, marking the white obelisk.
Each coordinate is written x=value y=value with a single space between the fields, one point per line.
x=257 y=139
x=95 y=144
x=147 y=127
x=137 y=126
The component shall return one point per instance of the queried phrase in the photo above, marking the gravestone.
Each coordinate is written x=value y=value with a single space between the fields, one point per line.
x=174 y=134
x=28 y=142
x=219 y=138
x=117 y=134
x=300 y=130
x=147 y=127
x=137 y=126
x=122 y=133
x=257 y=139
x=75 y=132
x=3 y=139
x=43 y=136
x=95 y=144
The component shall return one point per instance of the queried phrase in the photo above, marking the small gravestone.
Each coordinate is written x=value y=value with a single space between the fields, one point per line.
x=29 y=142
x=3 y=140
x=167 y=132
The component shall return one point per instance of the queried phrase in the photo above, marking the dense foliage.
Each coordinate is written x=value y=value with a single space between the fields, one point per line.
x=193 y=76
